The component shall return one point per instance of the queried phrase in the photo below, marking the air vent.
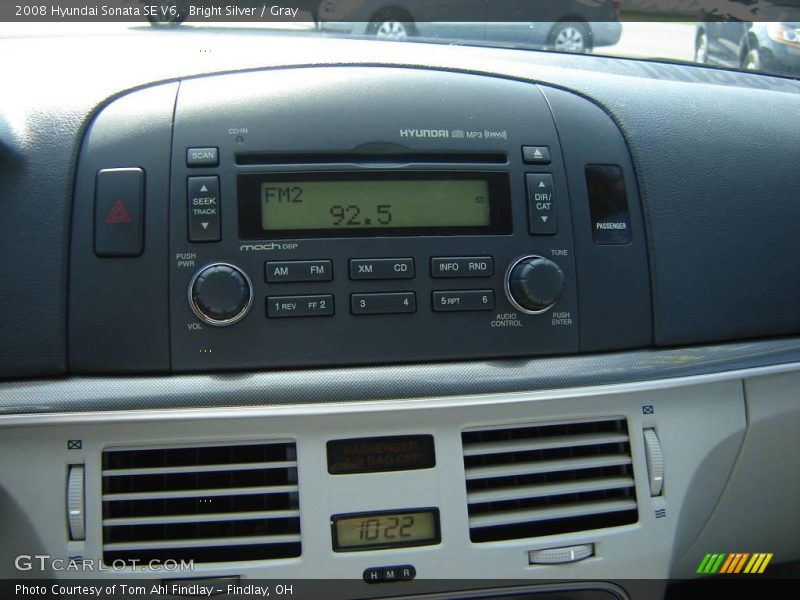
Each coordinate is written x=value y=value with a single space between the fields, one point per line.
x=529 y=481
x=209 y=503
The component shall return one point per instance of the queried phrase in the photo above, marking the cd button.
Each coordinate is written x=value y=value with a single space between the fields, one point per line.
x=382 y=268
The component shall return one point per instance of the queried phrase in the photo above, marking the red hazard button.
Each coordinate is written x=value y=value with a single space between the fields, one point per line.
x=119 y=212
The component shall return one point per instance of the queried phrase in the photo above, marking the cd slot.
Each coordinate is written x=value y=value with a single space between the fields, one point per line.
x=321 y=158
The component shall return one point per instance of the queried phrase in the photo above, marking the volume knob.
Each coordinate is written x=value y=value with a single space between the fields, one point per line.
x=220 y=294
x=534 y=284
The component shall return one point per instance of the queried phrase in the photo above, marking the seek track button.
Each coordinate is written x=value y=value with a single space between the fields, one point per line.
x=203 y=207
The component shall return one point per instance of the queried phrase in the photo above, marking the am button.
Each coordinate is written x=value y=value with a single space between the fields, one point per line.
x=298 y=270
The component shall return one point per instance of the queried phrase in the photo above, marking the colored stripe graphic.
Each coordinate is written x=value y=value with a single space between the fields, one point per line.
x=735 y=562
x=764 y=563
x=740 y=562
x=717 y=563
x=703 y=563
x=755 y=560
x=730 y=563
x=714 y=562
x=727 y=564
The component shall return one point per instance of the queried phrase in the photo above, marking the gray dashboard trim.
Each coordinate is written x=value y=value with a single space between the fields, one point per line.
x=401 y=382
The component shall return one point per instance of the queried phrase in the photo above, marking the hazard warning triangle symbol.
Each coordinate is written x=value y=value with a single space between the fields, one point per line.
x=118 y=213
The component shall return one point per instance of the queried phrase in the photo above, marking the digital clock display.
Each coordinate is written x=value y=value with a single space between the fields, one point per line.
x=370 y=531
x=341 y=204
x=374 y=204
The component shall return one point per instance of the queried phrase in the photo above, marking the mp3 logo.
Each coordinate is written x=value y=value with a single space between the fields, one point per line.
x=424 y=133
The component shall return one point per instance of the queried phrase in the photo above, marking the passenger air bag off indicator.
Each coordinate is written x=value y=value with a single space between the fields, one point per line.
x=608 y=204
x=381 y=454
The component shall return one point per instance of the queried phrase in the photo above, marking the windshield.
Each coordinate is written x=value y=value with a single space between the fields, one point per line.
x=730 y=34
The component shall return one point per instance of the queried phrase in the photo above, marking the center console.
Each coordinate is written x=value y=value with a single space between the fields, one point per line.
x=378 y=215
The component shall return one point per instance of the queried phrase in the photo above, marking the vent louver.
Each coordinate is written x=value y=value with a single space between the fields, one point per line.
x=534 y=480
x=210 y=503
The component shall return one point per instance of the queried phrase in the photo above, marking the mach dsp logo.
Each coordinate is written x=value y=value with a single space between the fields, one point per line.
x=733 y=563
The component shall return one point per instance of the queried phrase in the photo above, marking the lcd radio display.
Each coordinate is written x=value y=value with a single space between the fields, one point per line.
x=347 y=204
x=353 y=204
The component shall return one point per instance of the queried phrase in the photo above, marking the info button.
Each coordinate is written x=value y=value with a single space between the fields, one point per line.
x=462 y=266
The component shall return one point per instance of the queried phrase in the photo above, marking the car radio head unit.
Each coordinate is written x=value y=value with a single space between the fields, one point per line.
x=333 y=228
x=383 y=215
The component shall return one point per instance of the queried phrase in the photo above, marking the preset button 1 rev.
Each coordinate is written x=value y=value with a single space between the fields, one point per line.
x=300 y=306
x=203 y=207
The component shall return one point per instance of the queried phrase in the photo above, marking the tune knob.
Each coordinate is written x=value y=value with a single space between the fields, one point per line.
x=220 y=294
x=534 y=284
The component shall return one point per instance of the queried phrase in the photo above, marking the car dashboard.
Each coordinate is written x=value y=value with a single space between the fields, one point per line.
x=295 y=309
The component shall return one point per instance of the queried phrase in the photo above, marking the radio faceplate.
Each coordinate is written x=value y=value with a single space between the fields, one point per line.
x=496 y=236
x=431 y=290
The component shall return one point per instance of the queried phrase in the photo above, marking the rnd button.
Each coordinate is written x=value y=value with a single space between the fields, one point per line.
x=462 y=266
